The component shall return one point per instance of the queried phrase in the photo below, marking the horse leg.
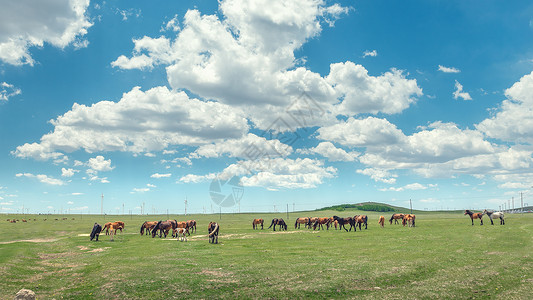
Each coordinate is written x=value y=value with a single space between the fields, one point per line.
x=491 y=223
x=472 y=221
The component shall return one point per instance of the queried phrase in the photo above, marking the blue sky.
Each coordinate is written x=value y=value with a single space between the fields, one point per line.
x=303 y=103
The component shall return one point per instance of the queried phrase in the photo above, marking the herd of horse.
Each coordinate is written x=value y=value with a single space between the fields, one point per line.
x=180 y=230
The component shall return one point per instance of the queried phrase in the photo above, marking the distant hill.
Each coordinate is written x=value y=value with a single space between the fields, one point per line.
x=367 y=206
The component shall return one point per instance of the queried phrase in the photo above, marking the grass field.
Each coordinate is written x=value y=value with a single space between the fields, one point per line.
x=443 y=257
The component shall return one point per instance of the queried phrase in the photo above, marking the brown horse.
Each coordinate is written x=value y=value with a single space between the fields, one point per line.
x=280 y=222
x=164 y=227
x=213 y=230
x=360 y=220
x=381 y=221
x=305 y=221
x=409 y=219
x=320 y=222
x=148 y=225
x=396 y=217
x=256 y=222
x=118 y=225
x=191 y=224
x=474 y=216
x=345 y=221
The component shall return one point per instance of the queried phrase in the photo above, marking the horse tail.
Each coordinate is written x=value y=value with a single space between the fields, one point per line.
x=214 y=230
x=142 y=228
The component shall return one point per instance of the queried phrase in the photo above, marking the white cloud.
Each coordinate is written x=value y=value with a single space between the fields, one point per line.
x=372 y=53
x=328 y=150
x=70 y=202
x=381 y=175
x=126 y=13
x=7 y=91
x=68 y=172
x=388 y=93
x=448 y=70
x=139 y=122
x=100 y=164
x=513 y=122
x=157 y=175
x=191 y=178
x=76 y=194
x=172 y=25
x=458 y=93
x=412 y=187
x=32 y=23
x=42 y=178
x=362 y=132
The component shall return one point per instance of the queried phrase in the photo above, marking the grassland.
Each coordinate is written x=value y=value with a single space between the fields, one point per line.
x=443 y=257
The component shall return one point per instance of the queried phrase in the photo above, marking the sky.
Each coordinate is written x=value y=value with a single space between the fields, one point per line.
x=264 y=106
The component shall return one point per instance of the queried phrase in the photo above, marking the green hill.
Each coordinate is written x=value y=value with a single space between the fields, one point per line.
x=368 y=206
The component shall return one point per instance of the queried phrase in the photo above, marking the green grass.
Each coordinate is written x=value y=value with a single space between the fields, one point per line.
x=443 y=257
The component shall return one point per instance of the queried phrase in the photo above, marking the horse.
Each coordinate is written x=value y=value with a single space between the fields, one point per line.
x=213 y=229
x=381 y=221
x=320 y=222
x=164 y=227
x=396 y=217
x=474 y=216
x=148 y=225
x=97 y=228
x=495 y=215
x=279 y=222
x=191 y=224
x=409 y=219
x=182 y=224
x=256 y=222
x=24 y=220
x=361 y=219
x=344 y=221
x=118 y=225
x=305 y=221
x=180 y=232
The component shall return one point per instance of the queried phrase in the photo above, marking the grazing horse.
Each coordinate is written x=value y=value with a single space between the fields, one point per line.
x=474 y=216
x=256 y=222
x=320 y=222
x=409 y=219
x=361 y=219
x=345 y=221
x=495 y=215
x=381 y=221
x=97 y=228
x=305 y=221
x=191 y=224
x=213 y=229
x=118 y=225
x=148 y=225
x=180 y=232
x=182 y=224
x=164 y=227
x=396 y=217
x=280 y=222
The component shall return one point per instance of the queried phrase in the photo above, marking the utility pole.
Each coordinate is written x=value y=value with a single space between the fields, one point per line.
x=513 y=203
x=102 y=205
x=185 y=205
x=287 y=211
x=122 y=208
x=411 y=205
x=521 y=202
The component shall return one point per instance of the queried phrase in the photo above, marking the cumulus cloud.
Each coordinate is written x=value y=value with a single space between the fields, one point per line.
x=513 y=121
x=68 y=172
x=412 y=187
x=32 y=23
x=458 y=93
x=172 y=25
x=42 y=178
x=7 y=91
x=139 y=122
x=380 y=175
x=448 y=70
x=328 y=150
x=100 y=164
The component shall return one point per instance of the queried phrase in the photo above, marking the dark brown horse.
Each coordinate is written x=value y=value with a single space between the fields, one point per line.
x=164 y=227
x=256 y=222
x=320 y=222
x=305 y=221
x=97 y=228
x=148 y=225
x=213 y=230
x=474 y=216
x=280 y=222
x=345 y=221
x=360 y=220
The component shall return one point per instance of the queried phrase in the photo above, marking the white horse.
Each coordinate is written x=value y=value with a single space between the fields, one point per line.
x=495 y=215
x=181 y=233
